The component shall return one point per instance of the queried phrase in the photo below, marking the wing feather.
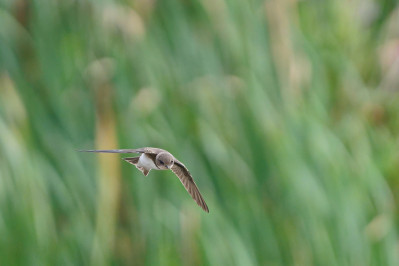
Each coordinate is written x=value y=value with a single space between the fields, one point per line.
x=139 y=150
x=187 y=180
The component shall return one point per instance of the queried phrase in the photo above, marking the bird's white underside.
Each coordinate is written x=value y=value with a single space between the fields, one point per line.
x=146 y=162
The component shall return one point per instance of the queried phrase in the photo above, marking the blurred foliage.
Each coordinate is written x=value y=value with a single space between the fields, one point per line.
x=286 y=112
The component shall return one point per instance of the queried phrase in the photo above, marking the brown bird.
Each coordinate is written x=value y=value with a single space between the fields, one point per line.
x=159 y=159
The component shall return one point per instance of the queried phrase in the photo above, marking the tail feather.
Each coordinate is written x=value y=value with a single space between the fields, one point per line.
x=134 y=161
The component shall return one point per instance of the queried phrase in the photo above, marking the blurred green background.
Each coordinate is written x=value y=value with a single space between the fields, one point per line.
x=286 y=112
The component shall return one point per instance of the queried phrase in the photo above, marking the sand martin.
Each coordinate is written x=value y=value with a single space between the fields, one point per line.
x=159 y=159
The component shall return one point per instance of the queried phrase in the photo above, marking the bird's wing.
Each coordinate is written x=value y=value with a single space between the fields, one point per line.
x=140 y=150
x=188 y=182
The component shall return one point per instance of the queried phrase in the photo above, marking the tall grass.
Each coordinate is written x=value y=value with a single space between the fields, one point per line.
x=285 y=112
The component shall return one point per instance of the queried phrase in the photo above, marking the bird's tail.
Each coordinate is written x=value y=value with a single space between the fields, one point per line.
x=134 y=161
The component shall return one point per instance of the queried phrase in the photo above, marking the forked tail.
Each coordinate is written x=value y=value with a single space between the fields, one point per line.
x=134 y=161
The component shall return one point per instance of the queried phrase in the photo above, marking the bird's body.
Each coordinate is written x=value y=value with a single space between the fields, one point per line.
x=146 y=162
x=159 y=159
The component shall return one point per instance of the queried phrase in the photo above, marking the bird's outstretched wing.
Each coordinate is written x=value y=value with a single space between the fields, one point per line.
x=139 y=150
x=188 y=182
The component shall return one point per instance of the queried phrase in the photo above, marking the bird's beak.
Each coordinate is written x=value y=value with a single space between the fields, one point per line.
x=168 y=167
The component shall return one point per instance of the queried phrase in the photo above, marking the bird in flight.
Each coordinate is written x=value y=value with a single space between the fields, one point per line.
x=159 y=159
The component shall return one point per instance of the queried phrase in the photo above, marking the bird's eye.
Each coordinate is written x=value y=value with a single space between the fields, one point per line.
x=161 y=162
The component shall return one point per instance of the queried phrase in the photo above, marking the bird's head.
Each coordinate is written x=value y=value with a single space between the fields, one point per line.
x=164 y=160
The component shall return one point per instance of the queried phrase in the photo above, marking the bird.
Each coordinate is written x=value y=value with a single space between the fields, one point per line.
x=159 y=159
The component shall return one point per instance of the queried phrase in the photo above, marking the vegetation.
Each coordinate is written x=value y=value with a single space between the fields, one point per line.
x=286 y=113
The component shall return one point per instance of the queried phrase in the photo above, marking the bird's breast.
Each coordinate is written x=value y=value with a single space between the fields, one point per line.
x=146 y=162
